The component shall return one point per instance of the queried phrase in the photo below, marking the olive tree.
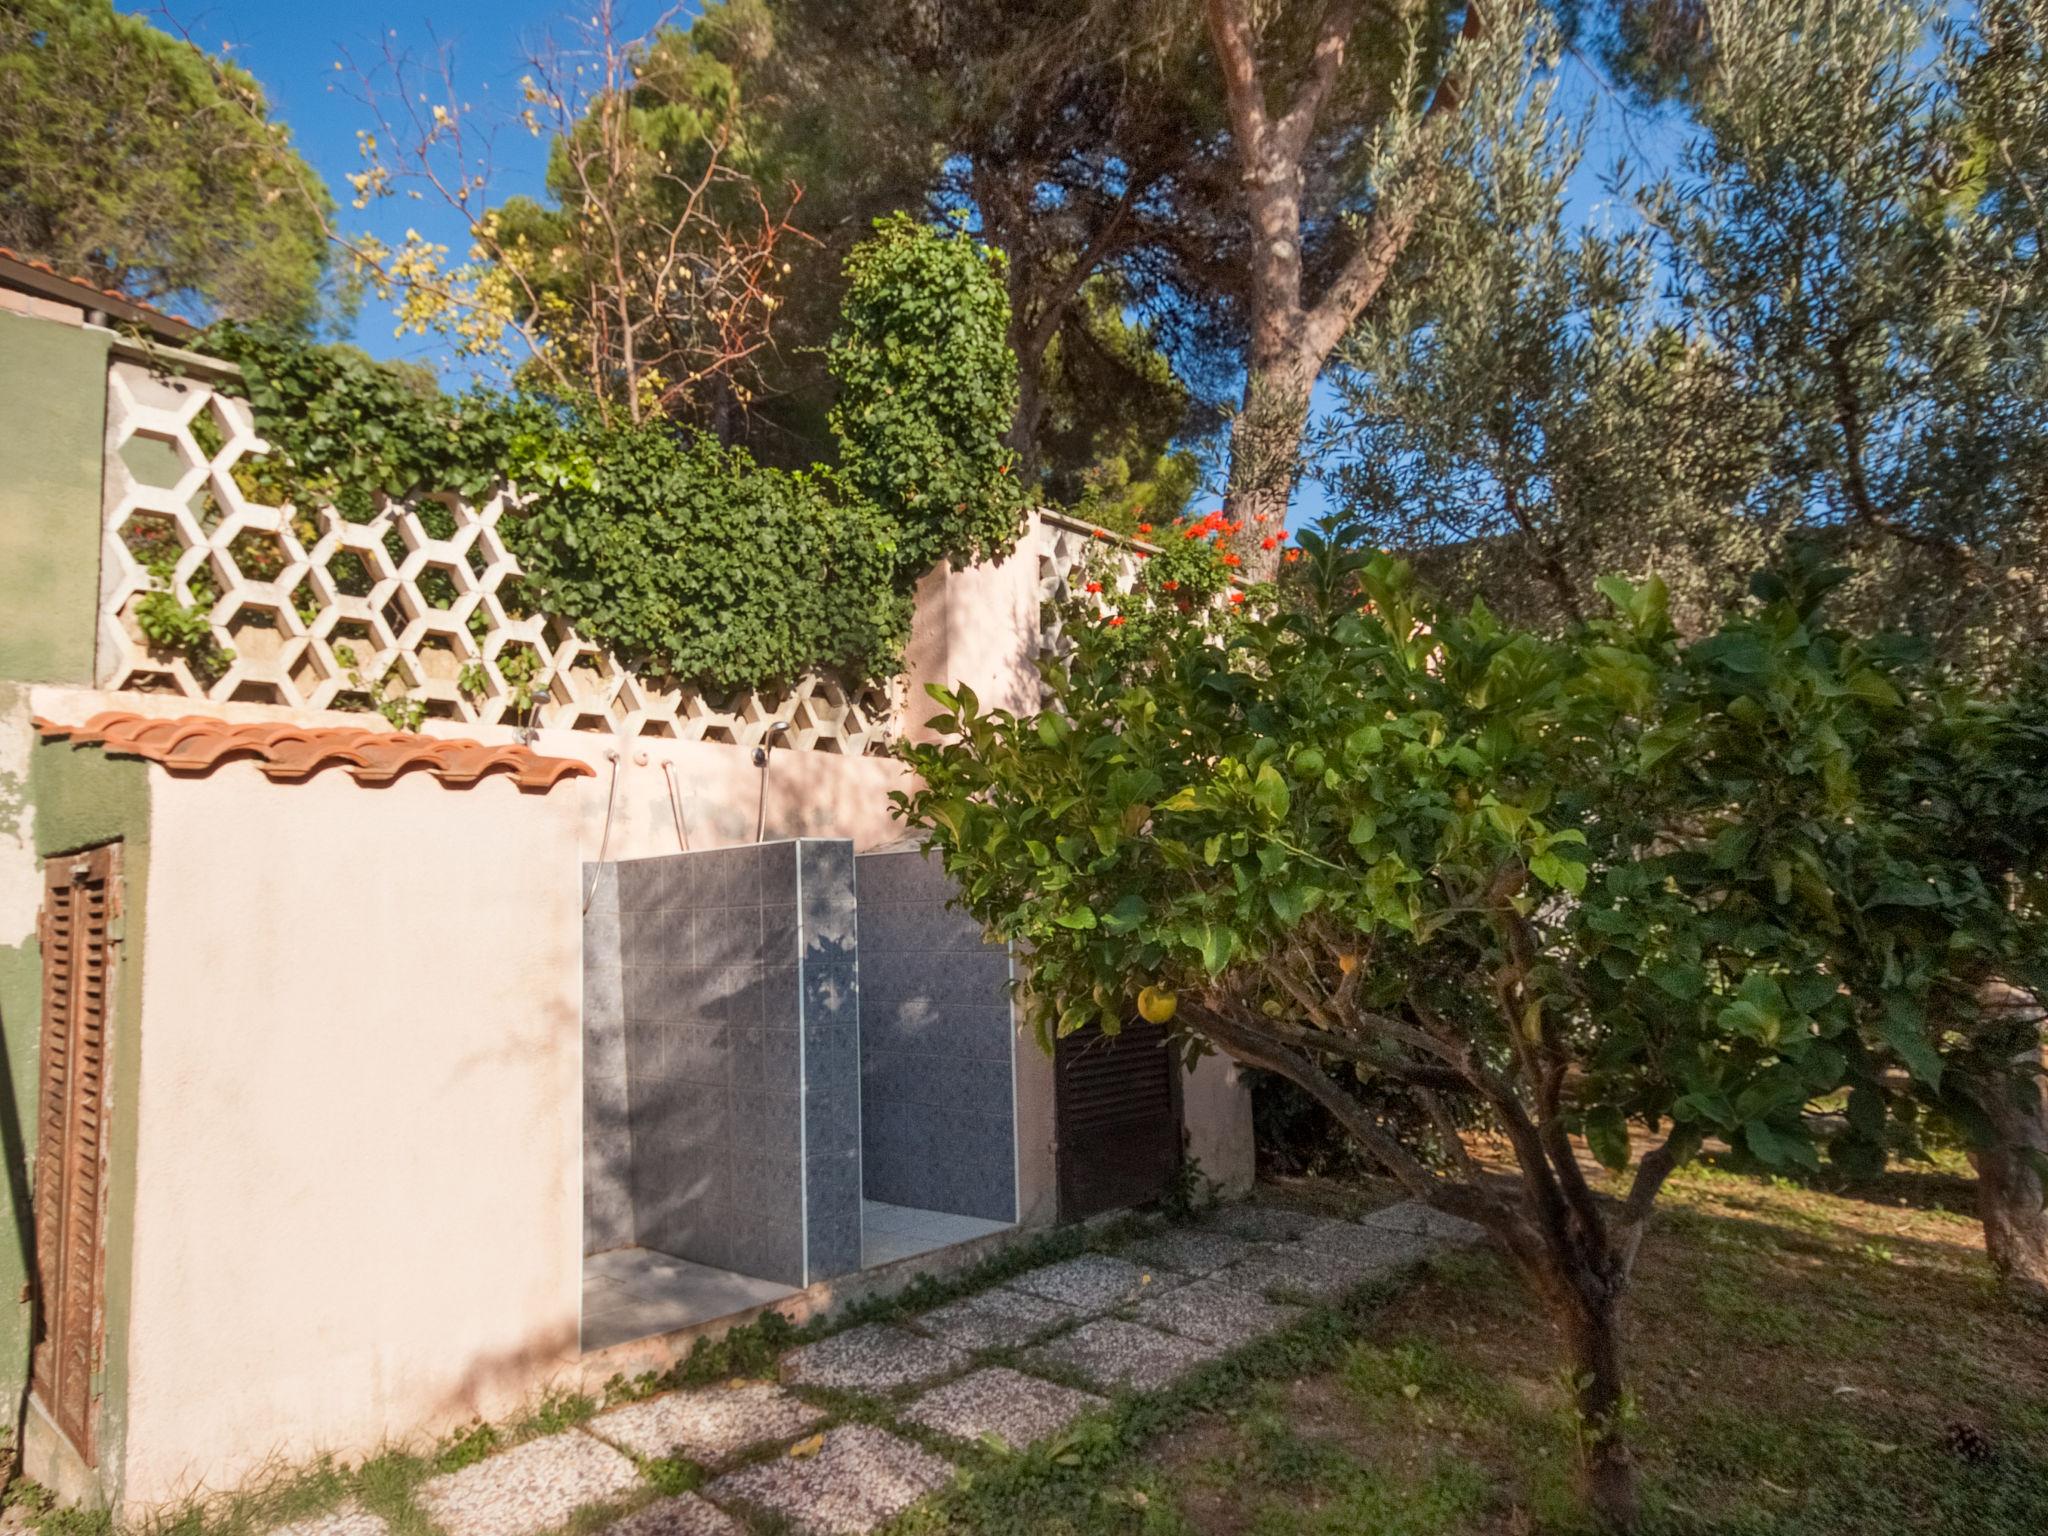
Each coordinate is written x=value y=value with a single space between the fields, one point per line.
x=1521 y=879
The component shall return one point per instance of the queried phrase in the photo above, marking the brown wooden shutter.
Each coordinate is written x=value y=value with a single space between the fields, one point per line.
x=1118 y=1111
x=81 y=902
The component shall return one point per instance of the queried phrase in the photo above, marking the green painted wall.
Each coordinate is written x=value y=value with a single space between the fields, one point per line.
x=79 y=798
x=53 y=401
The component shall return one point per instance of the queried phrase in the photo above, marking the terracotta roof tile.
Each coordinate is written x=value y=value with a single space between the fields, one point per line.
x=198 y=744
x=90 y=287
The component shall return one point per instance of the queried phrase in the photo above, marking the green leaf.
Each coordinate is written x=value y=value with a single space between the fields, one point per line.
x=1289 y=902
x=1775 y=1149
x=1270 y=793
x=1874 y=687
x=1076 y=917
x=1216 y=941
x=1130 y=910
x=1902 y=1023
x=1607 y=1136
x=1364 y=742
x=1554 y=869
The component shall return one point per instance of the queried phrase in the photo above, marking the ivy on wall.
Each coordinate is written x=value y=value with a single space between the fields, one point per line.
x=685 y=558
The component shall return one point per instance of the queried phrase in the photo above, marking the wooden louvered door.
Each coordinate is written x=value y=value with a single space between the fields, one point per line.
x=1117 y=1104
x=81 y=901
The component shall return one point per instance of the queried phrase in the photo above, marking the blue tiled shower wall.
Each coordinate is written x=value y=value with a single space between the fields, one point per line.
x=738 y=1028
x=938 y=1127
x=607 y=1127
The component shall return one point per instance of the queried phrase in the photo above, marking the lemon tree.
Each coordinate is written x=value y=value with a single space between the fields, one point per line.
x=1596 y=887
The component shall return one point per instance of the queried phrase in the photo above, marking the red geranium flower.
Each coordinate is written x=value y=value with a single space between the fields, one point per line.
x=1233 y=560
x=1144 y=527
x=1115 y=619
x=1269 y=542
x=1237 y=597
x=1171 y=586
x=1094 y=586
x=1292 y=555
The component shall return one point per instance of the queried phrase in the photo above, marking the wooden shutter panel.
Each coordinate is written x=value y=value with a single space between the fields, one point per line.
x=81 y=902
x=1118 y=1113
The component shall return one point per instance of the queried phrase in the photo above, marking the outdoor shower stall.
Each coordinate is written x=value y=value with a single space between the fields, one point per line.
x=797 y=1064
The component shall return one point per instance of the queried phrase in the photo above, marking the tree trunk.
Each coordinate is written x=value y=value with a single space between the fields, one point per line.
x=2009 y=1188
x=1265 y=455
x=1030 y=409
x=1590 y=1314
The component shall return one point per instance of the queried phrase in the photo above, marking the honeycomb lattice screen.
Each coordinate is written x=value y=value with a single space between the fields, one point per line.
x=421 y=603
x=1069 y=555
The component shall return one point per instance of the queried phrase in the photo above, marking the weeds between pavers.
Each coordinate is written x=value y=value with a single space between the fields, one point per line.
x=383 y=1484
x=1080 y=1477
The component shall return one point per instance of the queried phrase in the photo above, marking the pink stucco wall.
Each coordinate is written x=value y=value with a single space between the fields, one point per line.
x=358 y=1191
x=357 y=1205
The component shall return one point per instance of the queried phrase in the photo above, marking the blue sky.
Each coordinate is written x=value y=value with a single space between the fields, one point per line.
x=292 y=47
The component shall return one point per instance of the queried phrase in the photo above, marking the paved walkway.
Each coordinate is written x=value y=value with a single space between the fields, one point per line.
x=1068 y=1333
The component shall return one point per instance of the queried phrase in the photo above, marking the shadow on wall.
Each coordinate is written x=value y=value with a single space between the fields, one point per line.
x=688 y=797
x=14 y=1146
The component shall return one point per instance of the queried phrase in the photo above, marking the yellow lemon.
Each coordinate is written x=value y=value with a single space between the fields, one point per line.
x=1156 y=1005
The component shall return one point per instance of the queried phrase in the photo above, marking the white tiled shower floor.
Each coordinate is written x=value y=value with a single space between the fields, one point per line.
x=634 y=1293
x=892 y=1232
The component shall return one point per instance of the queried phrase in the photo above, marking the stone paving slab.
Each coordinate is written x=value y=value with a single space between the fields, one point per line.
x=1297 y=1270
x=1375 y=1248
x=531 y=1488
x=1094 y=1282
x=997 y=1319
x=1017 y=1409
x=1216 y=1312
x=346 y=1521
x=1194 y=1250
x=859 y=1479
x=711 y=1425
x=1113 y=1353
x=876 y=1357
x=1421 y=1220
x=1263 y=1223
x=683 y=1515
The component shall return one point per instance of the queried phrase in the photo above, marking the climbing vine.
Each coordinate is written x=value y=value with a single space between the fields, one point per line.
x=686 y=558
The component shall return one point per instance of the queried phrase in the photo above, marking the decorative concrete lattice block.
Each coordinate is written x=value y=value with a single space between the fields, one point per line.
x=1063 y=559
x=859 y=1479
x=1295 y=1269
x=1094 y=1282
x=875 y=1358
x=998 y=1319
x=1419 y=1220
x=1112 y=1353
x=531 y=1488
x=421 y=601
x=1373 y=1248
x=346 y=1521
x=1216 y=1312
x=707 y=1426
x=1194 y=1250
x=683 y=1515
x=1264 y=1223
x=1018 y=1410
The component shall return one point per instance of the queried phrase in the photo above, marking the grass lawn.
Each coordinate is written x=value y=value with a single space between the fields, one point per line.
x=1799 y=1360
x=1803 y=1363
